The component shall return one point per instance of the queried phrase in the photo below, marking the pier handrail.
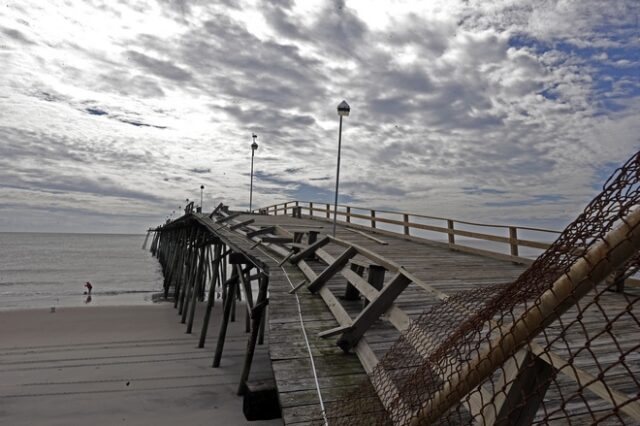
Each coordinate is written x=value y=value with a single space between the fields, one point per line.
x=405 y=224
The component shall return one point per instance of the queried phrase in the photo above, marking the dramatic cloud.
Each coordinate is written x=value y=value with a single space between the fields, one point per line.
x=113 y=114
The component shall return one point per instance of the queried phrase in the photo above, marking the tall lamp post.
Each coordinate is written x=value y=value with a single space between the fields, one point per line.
x=254 y=146
x=343 y=111
x=201 y=192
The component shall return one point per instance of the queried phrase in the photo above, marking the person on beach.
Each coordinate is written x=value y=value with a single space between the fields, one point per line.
x=89 y=287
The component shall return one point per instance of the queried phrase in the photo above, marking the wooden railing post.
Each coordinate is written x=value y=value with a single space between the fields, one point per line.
x=348 y=214
x=328 y=211
x=275 y=210
x=285 y=208
x=373 y=218
x=513 y=240
x=310 y=209
x=452 y=237
x=406 y=224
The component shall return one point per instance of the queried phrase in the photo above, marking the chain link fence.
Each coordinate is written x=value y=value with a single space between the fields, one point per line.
x=559 y=345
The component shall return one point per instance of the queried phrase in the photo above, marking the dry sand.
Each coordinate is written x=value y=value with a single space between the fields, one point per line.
x=130 y=365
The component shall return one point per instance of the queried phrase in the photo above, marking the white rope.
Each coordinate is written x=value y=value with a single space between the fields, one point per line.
x=306 y=340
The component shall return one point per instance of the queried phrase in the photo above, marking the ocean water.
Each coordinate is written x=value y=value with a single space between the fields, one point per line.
x=48 y=270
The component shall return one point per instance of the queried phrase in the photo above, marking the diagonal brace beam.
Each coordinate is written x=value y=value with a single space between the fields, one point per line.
x=373 y=311
x=309 y=250
x=331 y=270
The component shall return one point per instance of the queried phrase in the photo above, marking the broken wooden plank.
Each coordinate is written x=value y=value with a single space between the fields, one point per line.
x=330 y=270
x=309 y=250
x=372 y=312
x=241 y=224
x=227 y=218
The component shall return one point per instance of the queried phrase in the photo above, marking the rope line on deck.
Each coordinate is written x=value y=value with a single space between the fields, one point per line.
x=306 y=340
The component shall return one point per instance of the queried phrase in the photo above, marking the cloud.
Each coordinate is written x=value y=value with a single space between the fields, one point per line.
x=16 y=35
x=159 y=67
x=200 y=170
x=475 y=109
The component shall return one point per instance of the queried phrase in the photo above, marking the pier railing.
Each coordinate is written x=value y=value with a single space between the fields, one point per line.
x=516 y=243
x=519 y=244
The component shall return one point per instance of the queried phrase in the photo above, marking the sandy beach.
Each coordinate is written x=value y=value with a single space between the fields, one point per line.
x=131 y=365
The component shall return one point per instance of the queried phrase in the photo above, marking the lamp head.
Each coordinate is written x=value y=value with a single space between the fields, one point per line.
x=343 y=109
x=201 y=186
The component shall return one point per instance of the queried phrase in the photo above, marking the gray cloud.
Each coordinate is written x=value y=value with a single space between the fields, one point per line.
x=483 y=105
x=200 y=170
x=16 y=35
x=159 y=67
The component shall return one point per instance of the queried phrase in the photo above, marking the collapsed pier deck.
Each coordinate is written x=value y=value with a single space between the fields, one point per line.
x=313 y=373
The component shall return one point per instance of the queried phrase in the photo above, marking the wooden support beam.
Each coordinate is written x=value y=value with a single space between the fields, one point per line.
x=330 y=270
x=212 y=295
x=241 y=224
x=228 y=218
x=260 y=401
x=526 y=392
x=238 y=259
x=297 y=286
x=396 y=316
x=309 y=250
x=373 y=311
x=287 y=257
x=216 y=210
x=352 y=293
x=248 y=294
x=277 y=240
x=199 y=281
x=513 y=240
x=266 y=230
x=312 y=237
x=255 y=327
x=451 y=236
x=375 y=278
x=229 y=302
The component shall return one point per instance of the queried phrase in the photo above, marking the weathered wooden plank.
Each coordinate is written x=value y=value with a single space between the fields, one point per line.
x=372 y=312
x=309 y=250
x=331 y=269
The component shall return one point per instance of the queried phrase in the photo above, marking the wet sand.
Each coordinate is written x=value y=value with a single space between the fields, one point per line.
x=130 y=365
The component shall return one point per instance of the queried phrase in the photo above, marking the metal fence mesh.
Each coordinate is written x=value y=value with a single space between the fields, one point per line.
x=560 y=345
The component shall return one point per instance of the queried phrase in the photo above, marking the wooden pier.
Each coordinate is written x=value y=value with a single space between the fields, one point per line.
x=337 y=305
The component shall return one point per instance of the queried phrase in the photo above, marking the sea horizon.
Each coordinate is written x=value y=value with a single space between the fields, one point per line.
x=40 y=270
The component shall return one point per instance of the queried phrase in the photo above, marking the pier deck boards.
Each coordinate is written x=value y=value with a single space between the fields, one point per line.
x=338 y=372
x=433 y=263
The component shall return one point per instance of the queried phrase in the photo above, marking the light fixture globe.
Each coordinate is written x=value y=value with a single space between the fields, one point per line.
x=254 y=145
x=343 y=109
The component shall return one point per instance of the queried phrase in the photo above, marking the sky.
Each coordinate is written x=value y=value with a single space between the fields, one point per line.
x=113 y=113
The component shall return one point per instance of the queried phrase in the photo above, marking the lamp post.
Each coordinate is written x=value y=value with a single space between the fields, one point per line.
x=201 y=192
x=254 y=146
x=343 y=111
